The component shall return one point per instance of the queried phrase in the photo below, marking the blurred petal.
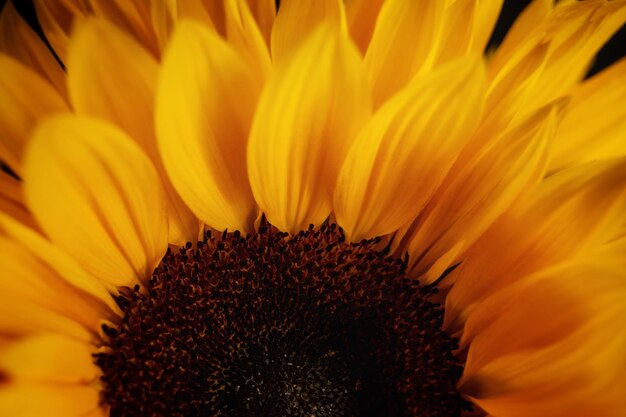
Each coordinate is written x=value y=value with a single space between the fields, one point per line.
x=467 y=27
x=12 y=200
x=34 y=298
x=61 y=265
x=264 y=11
x=571 y=212
x=476 y=194
x=18 y=40
x=406 y=40
x=297 y=19
x=49 y=357
x=404 y=152
x=595 y=125
x=244 y=34
x=25 y=98
x=571 y=365
x=48 y=400
x=118 y=84
x=56 y=18
x=206 y=99
x=97 y=196
x=569 y=37
x=133 y=16
x=361 y=16
x=307 y=118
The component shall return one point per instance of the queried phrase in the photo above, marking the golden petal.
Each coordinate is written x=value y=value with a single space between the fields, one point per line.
x=97 y=196
x=298 y=142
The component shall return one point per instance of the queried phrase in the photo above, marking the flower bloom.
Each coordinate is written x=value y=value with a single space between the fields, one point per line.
x=340 y=208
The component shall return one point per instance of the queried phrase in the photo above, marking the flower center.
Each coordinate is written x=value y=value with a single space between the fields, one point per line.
x=278 y=325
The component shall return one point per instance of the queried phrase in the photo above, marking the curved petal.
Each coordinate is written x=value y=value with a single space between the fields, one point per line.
x=97 y=196
x=467 y=27
x=297 y=19
x=306 y=120
x=118 y=84
x=264 y=11
x=34 y=298
x=206 y=99
x=361 y=16
x=25 y=98
x=18 y=40
x=571 y=212
x=56 y=18
x=571 y=365
x=403 y=153
x=476 y=194
x=406 y=41
x=243 y=33
x=595 y=124
x=62 y=266
x=133 y=16
x=568 y=39
x=12 y=200
x=48 y=399
x=48 y=357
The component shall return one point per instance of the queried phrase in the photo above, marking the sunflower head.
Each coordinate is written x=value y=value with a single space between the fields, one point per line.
x=327 y=208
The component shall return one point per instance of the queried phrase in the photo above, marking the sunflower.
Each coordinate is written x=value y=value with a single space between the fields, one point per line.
x=336 y=208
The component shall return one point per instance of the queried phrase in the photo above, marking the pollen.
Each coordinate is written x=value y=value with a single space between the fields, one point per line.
x=271 y=324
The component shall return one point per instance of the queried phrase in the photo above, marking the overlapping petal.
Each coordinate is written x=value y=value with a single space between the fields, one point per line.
x=206 y=99
x=542 y=64
x=405 y=151
x=18 y=40
x=594 y=127
x=406 y=40
x=297 y=19
x=551 y=345
x=97 y=196
x=25 y=98
x=478 y=191
x=49 y=357
x=125 y=98
x=307 y=118
x=571 y=212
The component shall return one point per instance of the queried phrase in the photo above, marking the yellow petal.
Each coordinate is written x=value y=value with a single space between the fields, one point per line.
x=595 y=125
x=133 y=16
x=164 y=16
x=406 y=40
x=97 y=196
x=361 y=17
x=24 y=99
x=33 y=298
x=62 y=266
x=571 y=212
x=48 y=400
x=264 y=12
x=476 y=194
x=570 y=36
x=297 y=19
x=206 y=99
x=570 y=365
x=49 y=357
x=18 y=40
x=118 y=84
x=243 y=33
x=535 y=14
x=467 y=27
x=306 y=120
x=12 y=201
x=404 y=152
x=56 y=19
